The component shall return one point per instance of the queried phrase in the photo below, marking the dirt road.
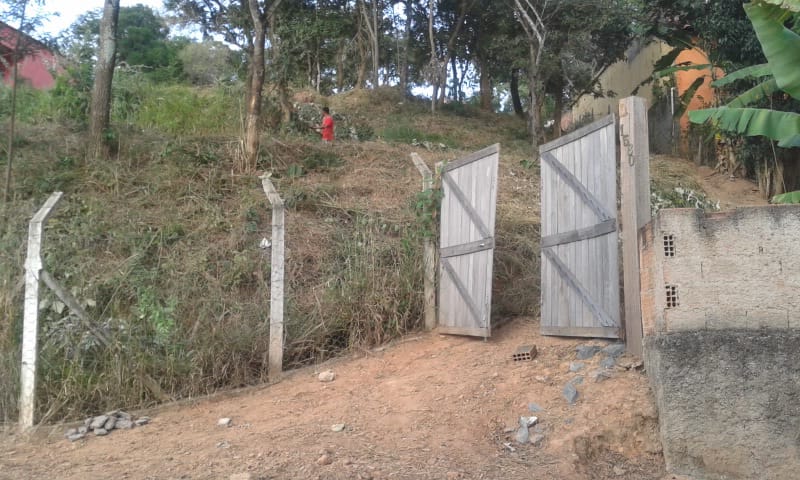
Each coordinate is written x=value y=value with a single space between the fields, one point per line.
x=430 y=406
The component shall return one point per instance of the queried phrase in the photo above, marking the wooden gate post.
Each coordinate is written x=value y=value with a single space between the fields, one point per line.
x=429 y=251
x=635 y=209
x=30 y=327
x=276 y=281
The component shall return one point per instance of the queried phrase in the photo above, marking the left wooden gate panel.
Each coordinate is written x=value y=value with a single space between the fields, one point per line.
x=467 y=243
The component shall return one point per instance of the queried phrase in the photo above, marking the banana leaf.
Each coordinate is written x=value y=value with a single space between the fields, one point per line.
x=793 y=5
x=667 y=59
x=753 y=71
x=762 y=90
x=781 y=46
x=781 y=126
x=680 y=68
x=788 y=197
x=688 y=95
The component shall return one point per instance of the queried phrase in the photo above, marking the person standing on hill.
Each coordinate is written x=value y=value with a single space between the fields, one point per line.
x=326 y=128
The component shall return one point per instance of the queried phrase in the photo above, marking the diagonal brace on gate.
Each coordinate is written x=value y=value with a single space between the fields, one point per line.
x=468 y=207
x=571 y=280
x=577 y=186
x=462 y=290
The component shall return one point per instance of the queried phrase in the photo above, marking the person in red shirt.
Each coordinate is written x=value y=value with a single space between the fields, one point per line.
x=326 y=128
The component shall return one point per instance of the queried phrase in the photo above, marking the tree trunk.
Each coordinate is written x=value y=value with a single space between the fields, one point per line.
x=340 y=58
x=362 y=49
x=462 y=77
x=404 y=50
x=318 y=68
x=103 y=77
x=254 y=88
x=280 y=79
x=443 y=82
x=375 y=45
x=369 y=23
x=516 y=101
x=455 y=90
x=534 y=109
x=557 y=115
x=485 y=84
x=13 y=120
x=434 y=64
x=362 y=68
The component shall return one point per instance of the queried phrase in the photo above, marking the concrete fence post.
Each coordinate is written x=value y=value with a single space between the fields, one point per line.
x=30 y=327
x=429 y=251
x=276 y=302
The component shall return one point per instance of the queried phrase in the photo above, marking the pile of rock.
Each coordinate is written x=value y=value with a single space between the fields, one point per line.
x=103 y=424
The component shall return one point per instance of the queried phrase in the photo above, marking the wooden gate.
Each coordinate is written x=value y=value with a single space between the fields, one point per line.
x=580 y=270
x=467 y=243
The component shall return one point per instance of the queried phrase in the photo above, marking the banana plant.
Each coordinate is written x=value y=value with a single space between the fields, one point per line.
x=781 y=73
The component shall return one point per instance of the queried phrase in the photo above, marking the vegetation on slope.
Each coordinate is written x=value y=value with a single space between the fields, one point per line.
x=161 y=242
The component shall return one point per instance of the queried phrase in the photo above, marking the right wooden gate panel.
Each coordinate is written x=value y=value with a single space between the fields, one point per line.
x=580 y=270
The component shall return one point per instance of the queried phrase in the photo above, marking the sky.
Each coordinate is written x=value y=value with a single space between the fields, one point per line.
x=69 y=11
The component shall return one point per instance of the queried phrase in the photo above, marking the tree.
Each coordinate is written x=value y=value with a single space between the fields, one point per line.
x=403 y=51
x=142 y=41
x=208 y=62
x=372 y=15
x=23 y=45
x=442 y=51
x=570 y=44
x=100 y=109
x=582 y=46
x=243 y=23
x=535 y=16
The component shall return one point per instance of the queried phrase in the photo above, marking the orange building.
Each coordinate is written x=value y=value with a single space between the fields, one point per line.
x=628 y=77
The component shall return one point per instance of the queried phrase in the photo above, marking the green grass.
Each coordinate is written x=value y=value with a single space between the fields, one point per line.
x=409 y=135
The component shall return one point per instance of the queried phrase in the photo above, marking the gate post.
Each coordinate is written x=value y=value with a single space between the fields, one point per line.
x=429 y=252
x=30 y=326
x=635 y=209
x=276 y=281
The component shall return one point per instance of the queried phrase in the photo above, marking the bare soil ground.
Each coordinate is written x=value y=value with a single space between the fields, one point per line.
x=429 y=406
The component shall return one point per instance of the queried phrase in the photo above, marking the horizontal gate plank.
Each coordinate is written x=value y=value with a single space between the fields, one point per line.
x=473 y=332
x=592 y=332
x=575 y=284
x=467 y=248
x=603 y=228
x=577 y=186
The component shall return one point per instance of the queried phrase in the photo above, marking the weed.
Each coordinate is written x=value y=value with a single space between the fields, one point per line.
x=426 y=207
x=362 y=131
x=373 y=292
x=410 y=135
x=159 y=315
x=294 y=171
x=321 y=160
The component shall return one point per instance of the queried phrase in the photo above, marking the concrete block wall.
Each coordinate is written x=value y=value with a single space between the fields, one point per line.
x=721 y=323
x=734 y=269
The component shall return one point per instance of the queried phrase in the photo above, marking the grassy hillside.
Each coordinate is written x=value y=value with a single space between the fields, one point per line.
x=161 y=242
